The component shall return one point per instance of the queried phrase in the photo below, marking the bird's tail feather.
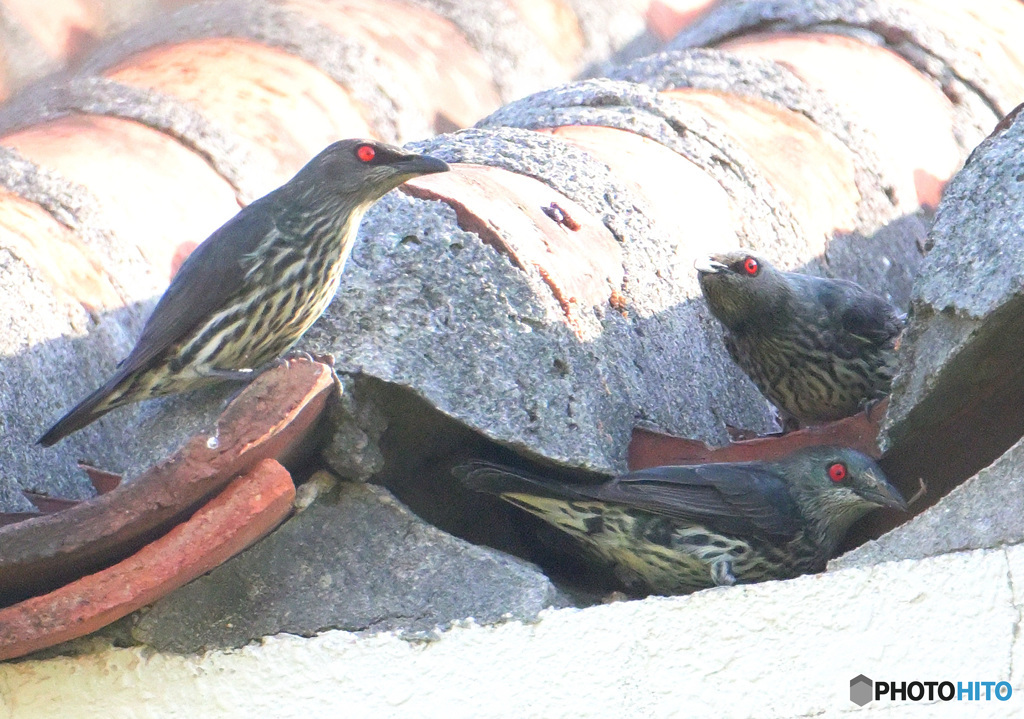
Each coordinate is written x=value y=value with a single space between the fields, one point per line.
x=564 y=506
x=498 y=480
x=85 y=412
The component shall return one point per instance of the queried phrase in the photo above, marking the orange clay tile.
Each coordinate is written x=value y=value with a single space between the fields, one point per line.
x=685 y=200
x=578 y=258
x=811 y=170
x=56 y=253
x=911 y=118
x=665 y=18
x=155 y=192
x=284 y=105
x=555 y=25
x=445 y=78
x=247 y=509
x=1000 y=23
x=654 y=449
x=270 y=418
x=63 y=28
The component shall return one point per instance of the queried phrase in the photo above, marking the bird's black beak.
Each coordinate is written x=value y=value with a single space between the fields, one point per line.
x=415 y=165
x=882 y=493
x=709 y=266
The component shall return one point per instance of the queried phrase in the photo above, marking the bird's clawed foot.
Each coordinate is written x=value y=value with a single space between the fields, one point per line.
x=297 y=355
x=283 y=361
x=326 y=358
x=231 y=375
x=249 y=374
x=721 y=573
x=868 y=406
x=922 y=490
x=738 y=434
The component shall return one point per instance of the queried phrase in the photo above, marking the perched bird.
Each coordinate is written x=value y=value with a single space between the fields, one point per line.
x=819 y=349
x=671 y=530
x=252 y=288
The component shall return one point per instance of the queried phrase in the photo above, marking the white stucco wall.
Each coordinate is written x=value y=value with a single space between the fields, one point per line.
x=780 y=649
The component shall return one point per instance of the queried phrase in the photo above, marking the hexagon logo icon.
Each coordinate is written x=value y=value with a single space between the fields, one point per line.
x=860 y=690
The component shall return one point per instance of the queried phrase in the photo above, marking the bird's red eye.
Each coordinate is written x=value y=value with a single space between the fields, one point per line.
x=837 y=472
x=365 y=153
x=751 y=266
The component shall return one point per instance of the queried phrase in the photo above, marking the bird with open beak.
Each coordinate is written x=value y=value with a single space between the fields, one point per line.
x=819 y=349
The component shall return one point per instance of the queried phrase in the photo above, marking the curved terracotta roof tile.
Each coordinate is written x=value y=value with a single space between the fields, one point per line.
x=678 y=194
x=57 y=253
x=269 y=419
x=575 y=254
x=247 y=509
x=911 y=118
x=822 y=193
x=445 y=80
x=281 y=104
x=155 y=192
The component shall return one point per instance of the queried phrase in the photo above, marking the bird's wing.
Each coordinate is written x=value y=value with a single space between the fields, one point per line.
x=744 y=499
x=851 y=315
x=872 y=319
x=208 y=277
x=731 y=348
x=860 y=314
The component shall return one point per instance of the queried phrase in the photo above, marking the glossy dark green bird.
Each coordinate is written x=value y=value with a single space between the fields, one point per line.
x=671 y=530
x=819 y=349
x=252 y=288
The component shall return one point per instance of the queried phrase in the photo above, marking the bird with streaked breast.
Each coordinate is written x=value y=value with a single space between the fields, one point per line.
x=819 y=349
x=677 y=529
x=251 y=289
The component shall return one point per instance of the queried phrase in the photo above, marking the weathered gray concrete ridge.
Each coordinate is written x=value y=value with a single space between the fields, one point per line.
x=983 y=512
x=426 y=305
x=956 y=401
x=457 y=303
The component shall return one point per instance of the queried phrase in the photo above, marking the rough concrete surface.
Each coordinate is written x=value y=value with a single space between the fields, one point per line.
x=975 y=266
x=778 y=649
x=960 y=381
x=710 y=69
x=611 y=29
x=427 y=305
x=518 y=62
x=985 y=511
x=356 y=559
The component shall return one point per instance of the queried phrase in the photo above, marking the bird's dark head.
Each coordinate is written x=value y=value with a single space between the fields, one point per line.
x=835 y=486
x=363 y=171
x=742 y=289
